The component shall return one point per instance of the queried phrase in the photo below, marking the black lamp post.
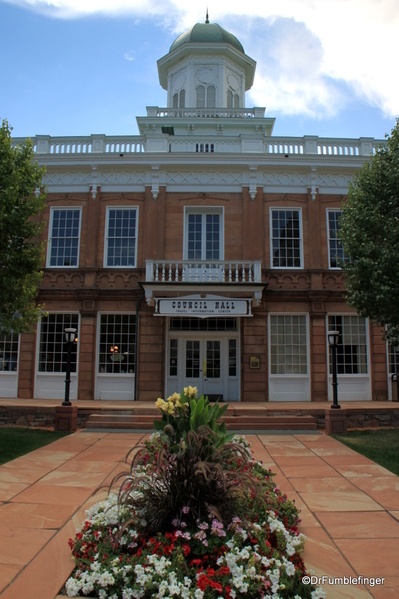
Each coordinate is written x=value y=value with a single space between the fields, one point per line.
x=70 y=337
x=333 y=342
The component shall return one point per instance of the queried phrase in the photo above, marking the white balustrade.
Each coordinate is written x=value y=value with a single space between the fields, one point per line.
x=246 y=113
x=127 y=144
x=187 y=271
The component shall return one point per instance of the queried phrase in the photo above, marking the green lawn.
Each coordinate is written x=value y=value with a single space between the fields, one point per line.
x=15 y=442
x=381 y=446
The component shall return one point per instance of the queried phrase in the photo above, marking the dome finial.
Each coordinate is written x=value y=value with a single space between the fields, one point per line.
x=207 y=16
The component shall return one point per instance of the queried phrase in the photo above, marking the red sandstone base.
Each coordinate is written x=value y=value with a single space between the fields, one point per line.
x=336 y=421
x=66 y=419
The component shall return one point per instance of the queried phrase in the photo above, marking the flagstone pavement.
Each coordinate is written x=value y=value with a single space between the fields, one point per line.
x=349 y=509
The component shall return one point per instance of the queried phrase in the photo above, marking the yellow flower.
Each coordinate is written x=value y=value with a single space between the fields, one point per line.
x=171 y=408
x=174 y=398
x=192 y=392
x=159 y=403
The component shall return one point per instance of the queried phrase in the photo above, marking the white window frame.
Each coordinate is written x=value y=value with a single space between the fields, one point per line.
x=308 y=366
x=280 y=208
x=368 y=364
x=50 y=237
x=38 y=341
x=328 y=210
x=98 y=343
x=136 y=208
x=204 y=210
x=2 y=348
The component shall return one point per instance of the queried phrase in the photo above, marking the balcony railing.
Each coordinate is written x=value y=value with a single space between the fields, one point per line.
x=124 y=144
x=209 y=271
x=197 y=113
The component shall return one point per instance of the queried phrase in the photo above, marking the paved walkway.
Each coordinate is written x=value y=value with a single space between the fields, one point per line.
x=349 y=509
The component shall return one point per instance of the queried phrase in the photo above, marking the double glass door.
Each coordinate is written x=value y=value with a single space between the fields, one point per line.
x=203 y=366
x=209 y=363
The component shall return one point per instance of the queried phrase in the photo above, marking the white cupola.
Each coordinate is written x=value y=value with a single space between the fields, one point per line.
x=206 y=67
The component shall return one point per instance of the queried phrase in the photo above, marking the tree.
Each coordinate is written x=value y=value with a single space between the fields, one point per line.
x=21 y=253
x=370 y=236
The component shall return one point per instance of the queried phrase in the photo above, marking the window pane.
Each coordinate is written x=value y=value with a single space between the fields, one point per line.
x=211 y=97
x=194 y=237
x=121 y=240
x=286 y=239
x=336 y=251
x=117 y=346
x=53 y=347
x=64 y=240
x=288 y=344
x=352 y=348
x=200 y=96
x=173 y=357
x=8 y=353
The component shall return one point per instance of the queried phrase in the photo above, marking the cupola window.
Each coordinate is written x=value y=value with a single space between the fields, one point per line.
x=208 y=93
x=211 y=96
x=233 y=100
x=179 y=100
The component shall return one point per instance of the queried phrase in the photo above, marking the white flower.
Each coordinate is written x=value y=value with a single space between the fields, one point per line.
x=318 y=594
x=290 y=569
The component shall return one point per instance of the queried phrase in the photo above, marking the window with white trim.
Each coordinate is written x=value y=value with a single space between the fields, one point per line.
x=233 y=100
x=286 y=238
x=52 y=345
x=121 y=238
x=206 y=96
x=179 y=99
x=336 y=255
x=393 y=355
x=288 y=344
x=204 y=234
x=9 y=352
x=64 y=237
x=117 y=347
x=352 y=344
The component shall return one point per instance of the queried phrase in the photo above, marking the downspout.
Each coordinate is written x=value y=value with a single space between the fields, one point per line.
x=137 y=342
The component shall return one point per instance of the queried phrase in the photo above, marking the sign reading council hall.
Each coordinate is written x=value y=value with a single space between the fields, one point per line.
x=202 y=307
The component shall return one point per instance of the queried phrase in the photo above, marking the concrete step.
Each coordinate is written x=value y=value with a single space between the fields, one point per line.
x=145 y=421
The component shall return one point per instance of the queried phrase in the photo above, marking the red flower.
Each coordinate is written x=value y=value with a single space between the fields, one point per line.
x=186 y=549
x=168 y=549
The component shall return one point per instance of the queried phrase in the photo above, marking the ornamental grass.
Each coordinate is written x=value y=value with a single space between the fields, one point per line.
x=194 y=517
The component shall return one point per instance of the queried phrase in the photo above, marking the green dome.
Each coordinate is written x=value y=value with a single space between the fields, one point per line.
x=207 y=33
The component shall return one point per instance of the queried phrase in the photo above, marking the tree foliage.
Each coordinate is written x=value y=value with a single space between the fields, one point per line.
x=370 y=235
x=21 y=252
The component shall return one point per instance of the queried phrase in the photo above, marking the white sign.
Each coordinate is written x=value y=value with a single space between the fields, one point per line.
x=202 y=307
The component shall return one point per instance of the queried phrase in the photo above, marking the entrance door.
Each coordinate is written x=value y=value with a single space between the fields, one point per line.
x=203 y=367
x=209 y=363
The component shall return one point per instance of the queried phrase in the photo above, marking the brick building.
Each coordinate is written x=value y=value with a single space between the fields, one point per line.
x=203 y=251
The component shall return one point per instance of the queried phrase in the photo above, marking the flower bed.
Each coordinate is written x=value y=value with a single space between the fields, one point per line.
x=196 y=517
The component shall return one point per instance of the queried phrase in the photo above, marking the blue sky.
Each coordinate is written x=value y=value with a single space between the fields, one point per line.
x=76 y=67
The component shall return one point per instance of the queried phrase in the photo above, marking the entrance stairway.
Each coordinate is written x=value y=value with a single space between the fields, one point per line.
x=255 y=419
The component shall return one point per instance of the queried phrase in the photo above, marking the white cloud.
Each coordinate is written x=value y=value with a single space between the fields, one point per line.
x=320 y=47
x=129 y=56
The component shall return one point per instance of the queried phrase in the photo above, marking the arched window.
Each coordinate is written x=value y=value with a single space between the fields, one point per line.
x=211 y=96
x=175 y=101
x=200 y=96
x=182 y=98
x=229 y=98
